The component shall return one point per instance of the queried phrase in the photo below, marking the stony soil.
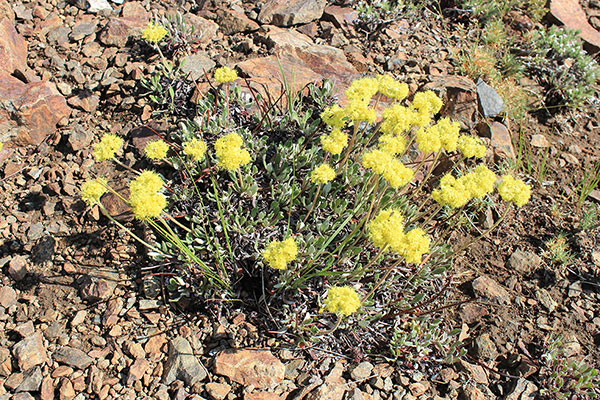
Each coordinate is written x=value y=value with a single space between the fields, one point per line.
x=76 y=318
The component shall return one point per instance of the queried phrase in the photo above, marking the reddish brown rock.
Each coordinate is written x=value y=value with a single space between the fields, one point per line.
x=17 y=268
x=137 y=370
x=13 y=49
x=570 y=13
x=276 y=38
x=501 y=141
x=119 y=29
x=232 y=21
x=341 y=17
x=47 y=389
x=217 y=391
x=291 y=12
x=30 y=112
x=459 y=95
x=6 y=11
x=489 y=288
x=264 y=396
x=258 y=368
x=205 y=28
x=30 y=352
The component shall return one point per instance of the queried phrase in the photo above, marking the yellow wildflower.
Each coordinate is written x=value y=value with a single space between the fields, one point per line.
x=153 y=33
x=397 y=174
x=92 y=191
x=480 y=181
x=322 y=174
x=195 y=148
x=386 y=228
x=334 y=116
x=230 y=153
x=334 y=142
x=358 y=111
x=391 y=88
x=427 y=102
x=452 y=192
x=471 y=146
x=279 y=254
x=146 y=204
x=225 y=74
x=342 y=300
x=108 y=146
x=362 y=90
x=147 y=181
x=429 y=140
x=392 y=144
x=514 y=190
x=156 y=149
x=377 y=160
x=448 y=132
x=396 y=119
x=412 y=245
x=1 y=146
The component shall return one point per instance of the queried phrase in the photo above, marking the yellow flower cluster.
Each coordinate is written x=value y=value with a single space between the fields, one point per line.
x=514 y=190
x=335 y=141
x=1 y=146
x=156 y=149
x=391 y=88
x=342 y=300
x=471 y=146
x=144 y=198
x=195 y=148
x=153 y=33
x=392 y=144
x=456 y=193
x=443 y=134
x=322 y=174
x=427 y=102
x=387 y=230
x=334 y=116
x=230 y=153
x=108 y=146
x=359 y=95
x=398 y=119
x=225 y=74
x=384 y=163
x=91 y=191
x=278 y=254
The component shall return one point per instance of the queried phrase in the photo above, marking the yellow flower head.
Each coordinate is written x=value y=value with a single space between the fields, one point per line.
x=362 y=90
x=279 y=254
x=146 y=204
x=335 y=142
x=230 y=153
x=480 y=181
x=429 y=140
x=448 y=132
x=396 y=120
x=471 y=146
x=147 y=181
x=514 y=190
x=153 y=33
x=156 y=149
x=391 y=88
x=358 y=111
x=1 y=146
x=427 y=102
x=386 y=228
x=377 y=160
x=108 y=146
x=342 y=300
x=412 y=245
x=334 y=116
x=91 y=191
x=225 y=74
x=398 y=174
x=392 y=144
x=452 y=192
x=195 y=148
x=322 y=174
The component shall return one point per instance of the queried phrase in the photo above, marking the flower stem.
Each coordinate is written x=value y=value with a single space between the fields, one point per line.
x=491 y=228
x=313 y=204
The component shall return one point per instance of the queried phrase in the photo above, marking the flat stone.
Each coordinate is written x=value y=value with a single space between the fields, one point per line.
x=490 y=102
x=182 y=364
x=17 y=268
x=539 y=141
x=572 y=16
x=459 y=95
x=25 y=329
x=259 y=368
x=72 y=357
x=232 y=22
x=32 y=380
x=546 y=300
x=276 y=38
x=30 y=352
x=204 y=28
x=524 y=390
x=524 y=262
x=291 y=12
x=66 y=390
x=119 y=29
x=23 y=12
x=155 y=343
x=80 y=138
x=485 y=347
x=264 y=396
x=47 y=389
x=8 y=296
x=96 y=6
x=501 y=141
x=362 y=371
x=98 y=287
x=83 y=29
x=341 y=17
x=85 y=101
x=13 y=49
x=217 y=391
x=137 y=370
x=36 y=109
x=486 y=287
x=195 y=66
x=476 y=372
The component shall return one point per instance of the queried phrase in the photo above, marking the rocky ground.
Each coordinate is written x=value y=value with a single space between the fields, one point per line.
x=75 y=320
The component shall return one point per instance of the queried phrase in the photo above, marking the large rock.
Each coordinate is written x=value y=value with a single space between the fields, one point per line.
x=572 y=16
x=119 y=29
x=459 y=95
x=204 y=28
x=233 y=21
x=72 y=357
x=259 y=368
x=29 y=112
x=291 y=12
x=300 y=66
x=490 y=102
x=195 y=66
x=30 y=352
x=501 y=141
x=182 y=364
x=13 y=49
